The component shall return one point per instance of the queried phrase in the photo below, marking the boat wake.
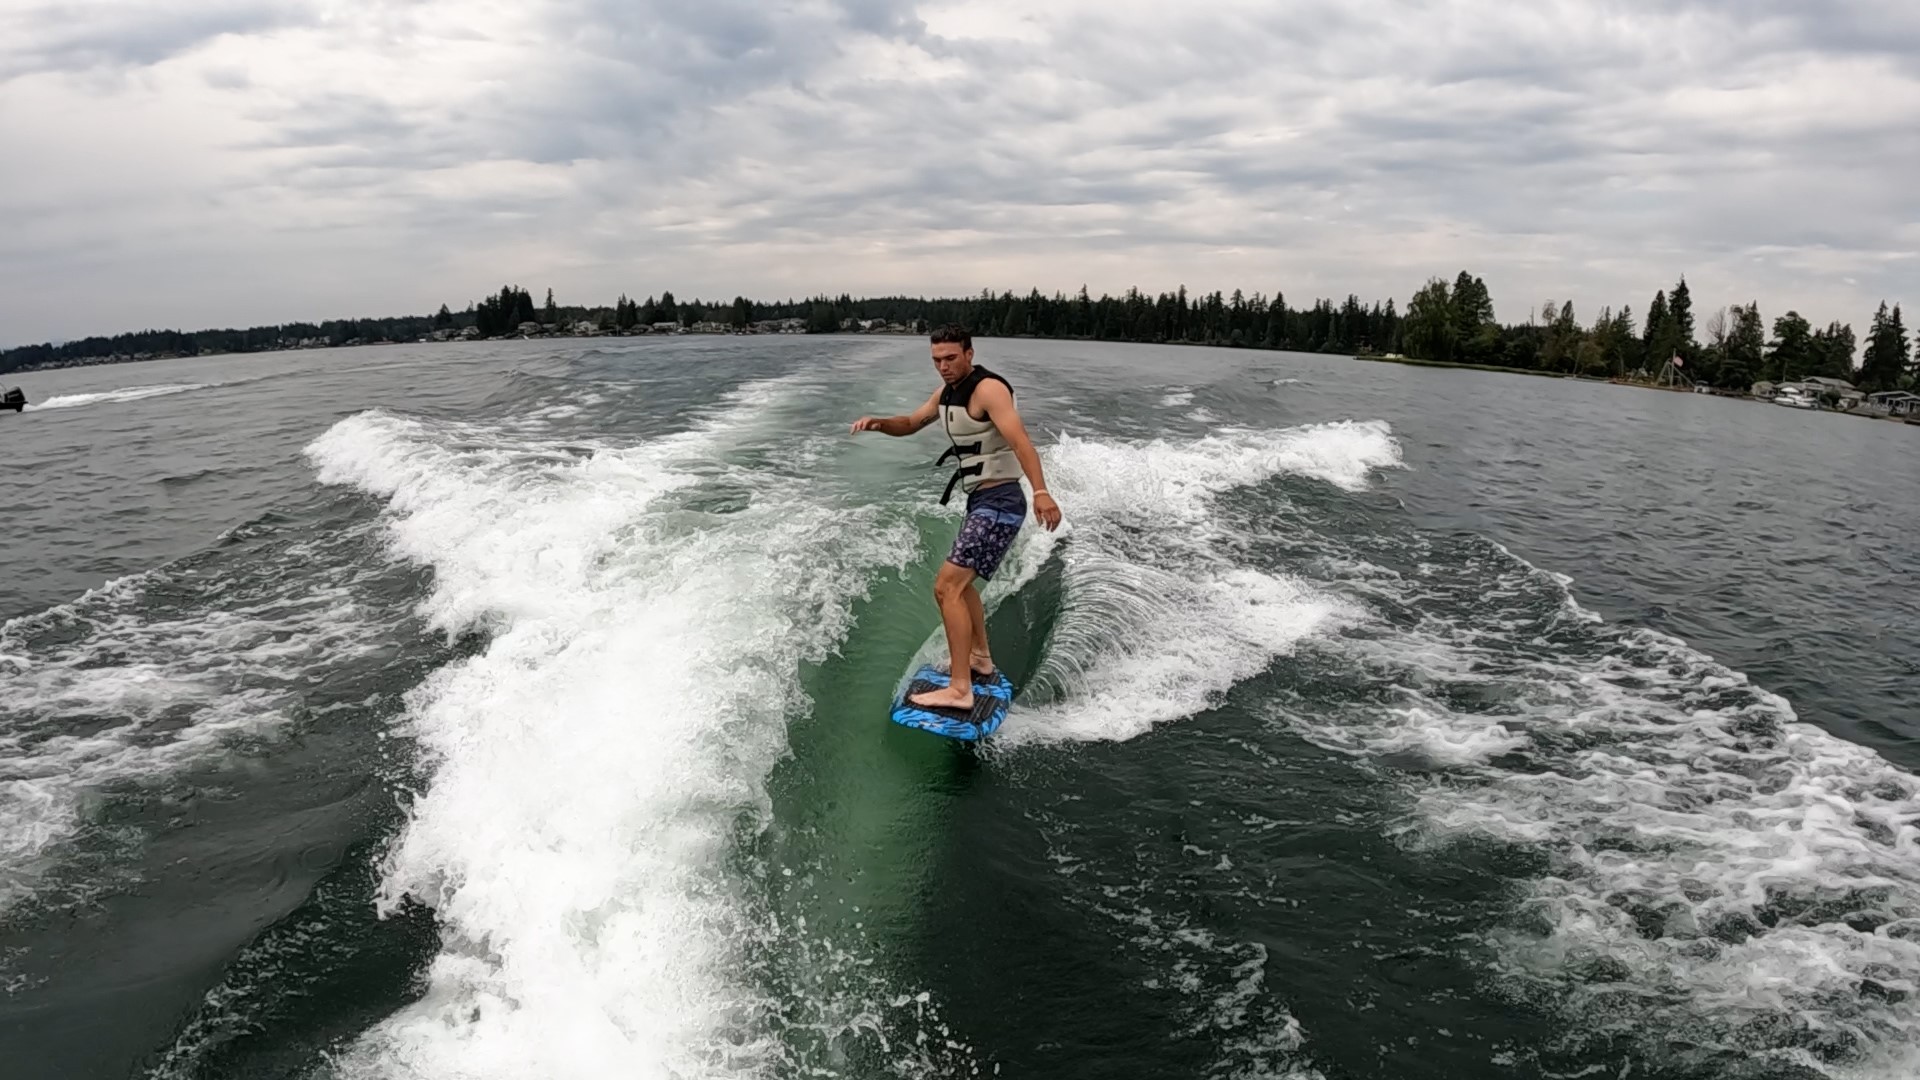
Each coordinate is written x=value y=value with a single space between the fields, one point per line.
x=649 y=608
x=157 y=673
x=113 y=397
x=1725 y=885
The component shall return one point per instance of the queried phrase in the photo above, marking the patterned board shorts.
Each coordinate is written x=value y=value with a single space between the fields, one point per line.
x=994 y=516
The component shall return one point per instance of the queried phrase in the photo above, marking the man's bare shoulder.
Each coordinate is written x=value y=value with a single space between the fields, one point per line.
x=993 y=392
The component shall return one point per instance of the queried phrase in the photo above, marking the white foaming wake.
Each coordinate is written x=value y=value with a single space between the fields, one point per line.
x=1159 y=619
x=109 y=397
x=590 y=768
x=1724 y=875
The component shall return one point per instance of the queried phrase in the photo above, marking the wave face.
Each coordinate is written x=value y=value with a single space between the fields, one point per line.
x=1162 y=610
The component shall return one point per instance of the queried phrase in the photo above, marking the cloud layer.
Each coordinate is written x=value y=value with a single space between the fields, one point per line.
x=252 y=161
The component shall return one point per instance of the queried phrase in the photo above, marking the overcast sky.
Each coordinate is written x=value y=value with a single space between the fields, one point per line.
x=194 y=163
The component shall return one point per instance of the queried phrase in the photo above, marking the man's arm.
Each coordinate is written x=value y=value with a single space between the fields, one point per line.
x=927 y=413
x=997 y=400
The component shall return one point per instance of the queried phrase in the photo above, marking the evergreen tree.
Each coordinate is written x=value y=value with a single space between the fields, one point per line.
x=1561 y=347
x=1680 y=316
x=1746 y=347
x=1476 y=334
x=443 y=319
x=1013 y=318
x=1887 y=358
x=821 y=319
x=666 y=310
x=503 y=312
x=1631 y=354
x=1792 y=356
x=1613 y=342
x=551 y=315
x=1834 y=348
x=1660 y=336
x=1278 y=336
x=1672 y=334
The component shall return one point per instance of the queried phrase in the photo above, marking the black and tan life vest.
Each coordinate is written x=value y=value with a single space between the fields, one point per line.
x=979 y=448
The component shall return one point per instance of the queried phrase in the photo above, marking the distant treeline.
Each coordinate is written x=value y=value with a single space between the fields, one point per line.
x=154 y=344
x=1454 y=322
x=1445 y=321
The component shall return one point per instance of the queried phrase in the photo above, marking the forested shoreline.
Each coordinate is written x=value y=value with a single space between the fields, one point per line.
x=1444 y=322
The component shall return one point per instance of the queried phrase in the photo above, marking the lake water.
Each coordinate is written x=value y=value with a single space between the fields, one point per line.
x=519 y=709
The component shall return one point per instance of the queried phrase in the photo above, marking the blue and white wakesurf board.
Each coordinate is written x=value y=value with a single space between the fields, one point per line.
x=991 y=699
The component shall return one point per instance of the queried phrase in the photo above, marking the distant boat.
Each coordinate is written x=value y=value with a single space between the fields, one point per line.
x=1794 y=397
x=13 y=399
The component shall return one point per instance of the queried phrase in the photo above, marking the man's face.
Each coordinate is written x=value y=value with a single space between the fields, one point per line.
x=952 y=361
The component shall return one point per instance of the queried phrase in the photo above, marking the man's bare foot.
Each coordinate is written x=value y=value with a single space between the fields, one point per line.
x=946 y=697
x=982 y=666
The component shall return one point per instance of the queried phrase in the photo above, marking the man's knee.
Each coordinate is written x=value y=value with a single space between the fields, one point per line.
x=951 y=583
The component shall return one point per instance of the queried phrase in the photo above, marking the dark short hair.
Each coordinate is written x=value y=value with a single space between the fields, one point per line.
x=953 y=334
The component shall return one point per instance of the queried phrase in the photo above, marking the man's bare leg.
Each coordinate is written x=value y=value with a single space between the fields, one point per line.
x=979 y=657
x=950 y=588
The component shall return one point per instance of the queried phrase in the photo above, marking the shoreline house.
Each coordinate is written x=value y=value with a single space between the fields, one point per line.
x=1816 y=389
x=1819 y=386
x=1894 y=403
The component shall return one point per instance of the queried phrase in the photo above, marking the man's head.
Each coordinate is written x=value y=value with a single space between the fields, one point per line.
x=953 y=352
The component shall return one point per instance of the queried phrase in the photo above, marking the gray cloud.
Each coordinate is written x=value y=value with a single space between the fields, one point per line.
x=310 y=162
x=128 y=34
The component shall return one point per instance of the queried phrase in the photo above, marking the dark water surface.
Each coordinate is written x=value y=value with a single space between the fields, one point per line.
x=518 y=710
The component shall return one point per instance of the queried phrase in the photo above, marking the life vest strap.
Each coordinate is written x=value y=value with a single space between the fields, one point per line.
x=958 y=451
x=958 y=475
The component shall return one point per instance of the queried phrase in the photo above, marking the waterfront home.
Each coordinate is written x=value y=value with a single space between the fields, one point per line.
x=1894 y=403
x=1820 y=385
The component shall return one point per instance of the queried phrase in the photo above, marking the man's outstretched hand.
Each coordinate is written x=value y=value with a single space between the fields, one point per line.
x=865 y=423
x=1046 y=511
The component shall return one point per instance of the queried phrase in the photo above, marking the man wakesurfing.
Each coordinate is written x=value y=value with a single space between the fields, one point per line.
x=976 y=408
